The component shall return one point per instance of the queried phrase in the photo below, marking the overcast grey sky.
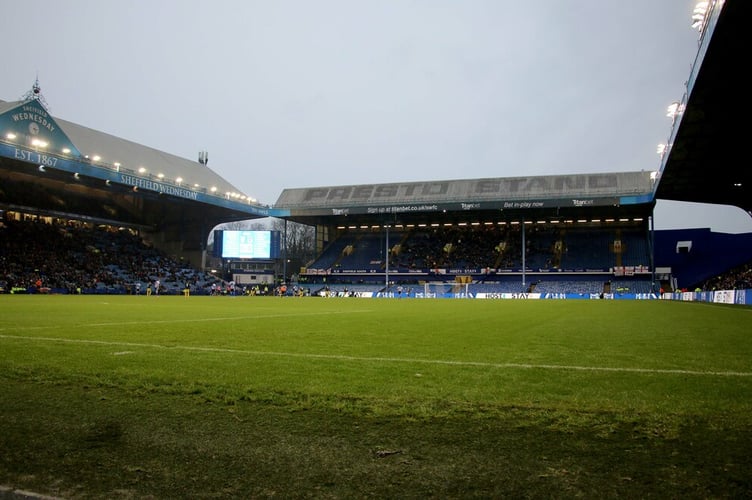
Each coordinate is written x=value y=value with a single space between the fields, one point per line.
x=290 y=93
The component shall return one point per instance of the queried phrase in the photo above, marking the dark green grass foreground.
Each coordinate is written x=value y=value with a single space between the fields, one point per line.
x=253 y=397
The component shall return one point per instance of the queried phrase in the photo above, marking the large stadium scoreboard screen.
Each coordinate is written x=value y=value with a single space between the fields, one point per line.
x=247 y=244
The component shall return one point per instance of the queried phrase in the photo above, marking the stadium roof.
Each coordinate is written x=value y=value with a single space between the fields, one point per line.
x=104 y=149
x=54 y=165
x=498 y=198
x=706 y=160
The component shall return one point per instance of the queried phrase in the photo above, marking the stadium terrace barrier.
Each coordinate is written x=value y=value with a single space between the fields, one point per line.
x=739 y=297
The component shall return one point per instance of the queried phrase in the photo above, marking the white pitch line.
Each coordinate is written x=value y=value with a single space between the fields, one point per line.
x=482 y=364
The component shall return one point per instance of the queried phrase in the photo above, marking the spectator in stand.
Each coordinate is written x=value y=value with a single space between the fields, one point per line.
x=70 y=256
x=739 y=278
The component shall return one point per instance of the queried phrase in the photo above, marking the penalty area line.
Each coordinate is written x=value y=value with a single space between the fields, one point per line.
x=340 y=357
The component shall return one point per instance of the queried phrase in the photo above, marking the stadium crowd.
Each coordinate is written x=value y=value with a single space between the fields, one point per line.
x=44 y=255
x=738 y=278
x=57 y=256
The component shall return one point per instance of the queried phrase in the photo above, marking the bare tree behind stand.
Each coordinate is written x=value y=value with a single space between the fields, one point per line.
x=299 y=247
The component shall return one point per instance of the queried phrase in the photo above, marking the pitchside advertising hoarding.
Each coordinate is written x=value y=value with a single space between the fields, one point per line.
x=493 y=296
x=738 y=297
x=567 y=296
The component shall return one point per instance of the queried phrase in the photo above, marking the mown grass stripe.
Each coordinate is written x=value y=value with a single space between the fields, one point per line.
x=198 y=320
x=392 y=359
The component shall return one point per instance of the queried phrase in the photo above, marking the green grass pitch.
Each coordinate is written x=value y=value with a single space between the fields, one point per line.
x=104 y=396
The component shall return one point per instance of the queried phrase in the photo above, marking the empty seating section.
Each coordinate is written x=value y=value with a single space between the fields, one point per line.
x=582 y=286
x=587 y=249
x=579 y=286
x=540 y=249
x=333 y=252
x=506 y=286
x=365 y=253
x=635 y=250
x=631 y=286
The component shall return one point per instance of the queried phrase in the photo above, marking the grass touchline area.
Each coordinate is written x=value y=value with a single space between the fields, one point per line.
x=389 y=360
